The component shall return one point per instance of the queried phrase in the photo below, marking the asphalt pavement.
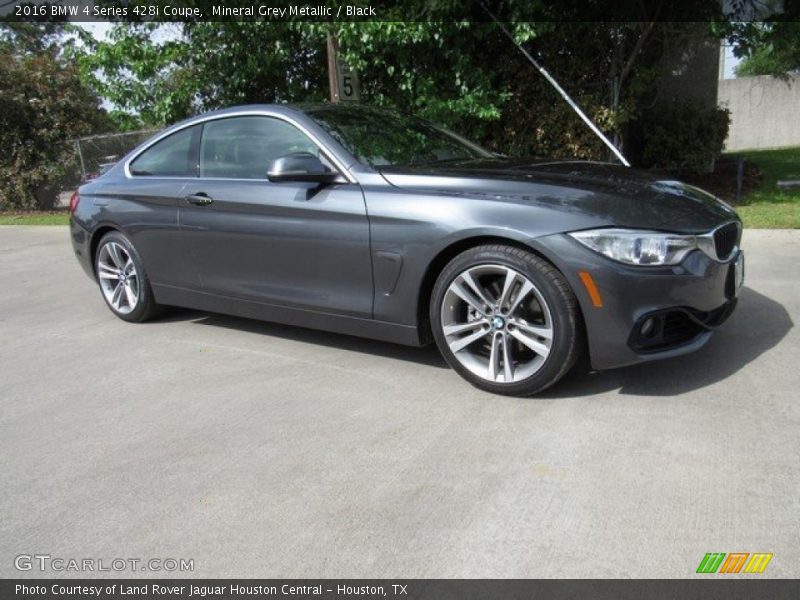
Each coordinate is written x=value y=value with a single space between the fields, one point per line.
x=259 y=450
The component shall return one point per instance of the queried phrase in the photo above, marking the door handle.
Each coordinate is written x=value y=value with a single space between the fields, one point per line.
x=200 y=199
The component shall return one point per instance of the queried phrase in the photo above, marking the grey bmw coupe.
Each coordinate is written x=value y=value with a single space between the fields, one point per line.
x=368 y=223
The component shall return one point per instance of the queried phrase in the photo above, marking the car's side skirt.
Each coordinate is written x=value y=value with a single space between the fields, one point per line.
x=407 y=335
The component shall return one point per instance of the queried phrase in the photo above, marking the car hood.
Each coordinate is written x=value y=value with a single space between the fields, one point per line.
x=615 y=195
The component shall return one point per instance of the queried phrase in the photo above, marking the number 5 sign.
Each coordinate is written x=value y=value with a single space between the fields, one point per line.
x=343 y=80
x=348 y=84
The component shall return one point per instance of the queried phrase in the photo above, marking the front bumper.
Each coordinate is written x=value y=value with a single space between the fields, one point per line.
x=684 y=303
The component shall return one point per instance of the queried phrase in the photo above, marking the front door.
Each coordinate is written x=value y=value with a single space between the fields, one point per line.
x=299 y=245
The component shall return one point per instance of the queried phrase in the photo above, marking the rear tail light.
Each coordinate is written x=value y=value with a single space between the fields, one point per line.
x=73 y=202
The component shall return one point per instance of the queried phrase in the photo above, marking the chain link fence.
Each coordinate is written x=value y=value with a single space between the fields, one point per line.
x=93 y=156
x=98 y=153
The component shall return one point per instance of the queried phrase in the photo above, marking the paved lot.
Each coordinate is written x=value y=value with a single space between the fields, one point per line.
x=263 y=450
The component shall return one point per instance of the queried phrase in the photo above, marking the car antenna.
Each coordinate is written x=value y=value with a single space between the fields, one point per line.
x=560 y=90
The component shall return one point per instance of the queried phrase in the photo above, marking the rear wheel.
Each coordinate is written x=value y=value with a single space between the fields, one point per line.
x=122 y=279
x=506 y=320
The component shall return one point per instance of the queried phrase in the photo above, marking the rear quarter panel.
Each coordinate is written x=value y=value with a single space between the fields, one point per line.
x=146 y=211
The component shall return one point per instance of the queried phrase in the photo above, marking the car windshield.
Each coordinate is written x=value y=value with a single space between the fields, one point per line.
x=379 y=138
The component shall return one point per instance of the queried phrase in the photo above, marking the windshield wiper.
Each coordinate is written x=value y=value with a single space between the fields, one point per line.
x=463 y=159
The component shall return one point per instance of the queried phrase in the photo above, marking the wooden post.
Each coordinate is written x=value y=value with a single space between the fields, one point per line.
x=739 y=177
x=333 y=77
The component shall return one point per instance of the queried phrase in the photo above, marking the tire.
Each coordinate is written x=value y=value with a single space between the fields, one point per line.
x=122 y=279
x=506 y=320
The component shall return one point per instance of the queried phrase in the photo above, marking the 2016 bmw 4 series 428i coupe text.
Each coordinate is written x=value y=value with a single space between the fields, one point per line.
x=368 y=223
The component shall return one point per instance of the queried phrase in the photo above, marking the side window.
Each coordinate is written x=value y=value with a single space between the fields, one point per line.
x=243 y=147
x=174 y=156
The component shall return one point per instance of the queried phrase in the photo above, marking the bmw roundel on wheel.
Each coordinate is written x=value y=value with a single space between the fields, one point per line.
x=358 y=221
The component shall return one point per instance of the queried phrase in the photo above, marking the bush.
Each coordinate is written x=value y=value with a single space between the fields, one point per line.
x=44 y=106
x=681 y=136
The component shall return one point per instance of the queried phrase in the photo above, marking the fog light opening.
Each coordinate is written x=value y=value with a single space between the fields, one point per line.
x=648 y=328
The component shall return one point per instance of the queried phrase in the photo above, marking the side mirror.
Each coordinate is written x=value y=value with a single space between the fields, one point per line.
x=300 y=166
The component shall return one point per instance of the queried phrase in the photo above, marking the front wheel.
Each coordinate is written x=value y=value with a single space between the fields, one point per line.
x=506 y=320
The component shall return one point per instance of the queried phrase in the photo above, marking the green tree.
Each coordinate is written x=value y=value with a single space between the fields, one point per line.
x=433 y=63
x=155 y=74
x=428 y=67
x=464 y=73
x=45 y=106
x=23 y=37
x=771 y=48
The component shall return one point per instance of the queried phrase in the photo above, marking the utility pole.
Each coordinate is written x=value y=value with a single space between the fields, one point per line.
x=333 y=71
x=344 y=83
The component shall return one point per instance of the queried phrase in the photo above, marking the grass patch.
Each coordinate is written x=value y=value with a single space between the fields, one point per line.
x=53 y=217
x=770 y=215
x=768 y=206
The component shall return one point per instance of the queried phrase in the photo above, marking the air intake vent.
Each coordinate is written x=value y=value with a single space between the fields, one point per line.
x=666 y=329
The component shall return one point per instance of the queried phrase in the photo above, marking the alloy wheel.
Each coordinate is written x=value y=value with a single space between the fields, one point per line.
x=118 y=278
x=496 y=323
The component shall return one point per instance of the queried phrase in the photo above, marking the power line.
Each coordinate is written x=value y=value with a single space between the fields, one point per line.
x=560 y=90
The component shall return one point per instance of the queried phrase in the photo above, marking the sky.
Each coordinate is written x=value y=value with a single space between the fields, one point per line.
x=730 y=63
x=98 y=29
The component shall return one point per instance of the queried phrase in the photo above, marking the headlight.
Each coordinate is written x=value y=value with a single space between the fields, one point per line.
x=638 y=247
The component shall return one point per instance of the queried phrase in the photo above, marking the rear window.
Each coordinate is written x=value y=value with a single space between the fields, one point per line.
x=174 y=156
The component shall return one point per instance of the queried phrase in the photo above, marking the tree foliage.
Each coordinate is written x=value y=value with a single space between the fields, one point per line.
x=45 y=105
x=771 y=48
x=429 y=67
x=160 y=76
x=679 y=136
x=465 y=74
